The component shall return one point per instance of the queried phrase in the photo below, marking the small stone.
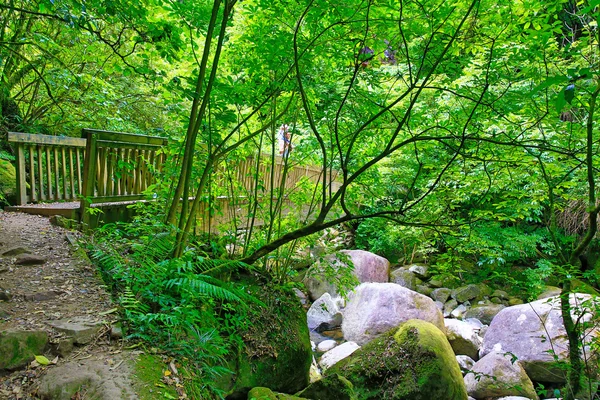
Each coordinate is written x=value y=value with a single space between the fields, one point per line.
x=116 y=332
x=15 y=251
x=301 y=296
x=459 y=311
x=65 y=347
x=435 y=283
x=496 y=300
x=334 y=334
x=42 y=296
x=439 y=305
x=4 y=294
x=465 y=293
x=338 y=353
x=29 y=259
x=326 y=345
x=81 y=329
x=501 y=294
x=423 y=289
x=421 y=271
x=514 y=301
x=441 y=294
x=465 y=363
x=449 y=307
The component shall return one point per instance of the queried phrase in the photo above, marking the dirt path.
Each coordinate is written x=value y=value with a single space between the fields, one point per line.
x=47 y=286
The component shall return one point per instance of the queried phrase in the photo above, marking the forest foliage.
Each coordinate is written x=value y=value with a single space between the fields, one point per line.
x=461 y=133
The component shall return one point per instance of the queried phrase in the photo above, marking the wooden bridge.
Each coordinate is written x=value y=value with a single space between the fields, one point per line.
x=108 y=171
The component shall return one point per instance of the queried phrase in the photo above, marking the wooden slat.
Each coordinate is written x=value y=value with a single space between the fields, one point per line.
x=72 y=174
x=57 y=195
x=48 y=173
x=78 y=153
x=123 y=180
x=32 y=183
x=21 y=180
x=64 y=173
x=136 y=172
x=40 y=172
x=89 y=177
x=17 y=137
x=109 y=172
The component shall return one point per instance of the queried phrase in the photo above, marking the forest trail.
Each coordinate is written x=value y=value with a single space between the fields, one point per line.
x=47 y=285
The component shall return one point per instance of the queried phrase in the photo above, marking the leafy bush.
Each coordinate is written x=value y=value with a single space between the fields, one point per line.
x=182 y=305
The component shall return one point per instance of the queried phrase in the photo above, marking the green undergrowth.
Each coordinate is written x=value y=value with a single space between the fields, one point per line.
x=184 y=307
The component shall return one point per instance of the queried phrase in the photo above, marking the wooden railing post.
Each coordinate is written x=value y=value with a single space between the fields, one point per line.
x=21 y=181
x=89 y=176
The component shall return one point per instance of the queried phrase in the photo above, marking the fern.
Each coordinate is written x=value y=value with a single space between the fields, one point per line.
x=200 y=285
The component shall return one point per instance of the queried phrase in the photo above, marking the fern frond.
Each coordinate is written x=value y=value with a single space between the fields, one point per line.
x=200 y=285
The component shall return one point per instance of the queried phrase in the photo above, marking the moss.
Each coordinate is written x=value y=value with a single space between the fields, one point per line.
x=275 y=351
x=414 y=361
x=8 y=182
x=17 y=349
x=149 y=373
x=262 y=393
x=331 y=387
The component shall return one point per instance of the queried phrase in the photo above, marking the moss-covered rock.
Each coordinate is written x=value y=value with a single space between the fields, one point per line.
x=262 y=393
x=19 y=348
x=331 y=387
x=8 y=182
x=412 y=362
x=276 y=351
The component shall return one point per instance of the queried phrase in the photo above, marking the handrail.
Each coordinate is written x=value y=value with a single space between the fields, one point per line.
x=119 y=166
x=48 y=167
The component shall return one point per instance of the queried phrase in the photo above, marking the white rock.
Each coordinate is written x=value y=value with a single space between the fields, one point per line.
x=463 y=337
x=459 y=311
x=422 y=271
x=465 y=363
x=368 y=267
x=324 y=314
x=532 y=332
x=336 y=354
x=497 y=375
x=375 y=308
x=326 y=345
x=513 y=398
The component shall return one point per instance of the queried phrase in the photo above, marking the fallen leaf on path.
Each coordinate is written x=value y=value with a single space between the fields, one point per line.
x=42 y=360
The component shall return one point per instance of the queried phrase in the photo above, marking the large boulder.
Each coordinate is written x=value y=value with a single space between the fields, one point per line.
x=411 y=362
x=535 y=334
x=324 y=314
x=463 y=337
x=367 y=267
x=497 y=375
x=19 y=348
x=276 y=352
x=375 y=308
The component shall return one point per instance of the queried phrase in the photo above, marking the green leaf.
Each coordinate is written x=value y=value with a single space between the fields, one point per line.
x=42 y=360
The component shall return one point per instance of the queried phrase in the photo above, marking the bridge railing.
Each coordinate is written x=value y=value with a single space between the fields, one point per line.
x=49 y=168
x=119 y=166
